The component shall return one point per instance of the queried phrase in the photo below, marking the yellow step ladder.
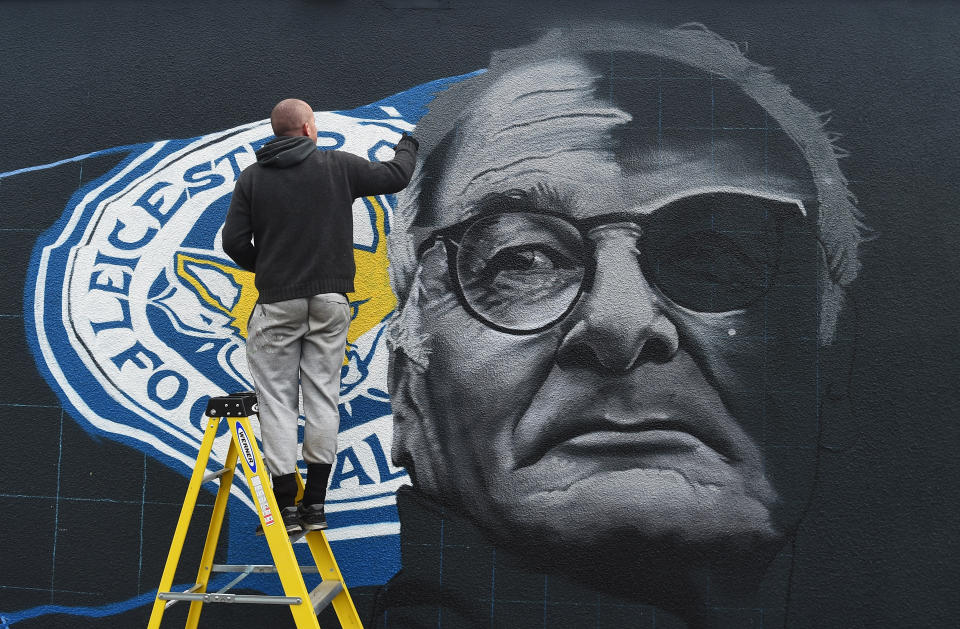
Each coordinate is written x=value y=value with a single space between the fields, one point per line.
x=236 y=409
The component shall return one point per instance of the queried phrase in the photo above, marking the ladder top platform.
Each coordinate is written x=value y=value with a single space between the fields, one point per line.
x=243 y=404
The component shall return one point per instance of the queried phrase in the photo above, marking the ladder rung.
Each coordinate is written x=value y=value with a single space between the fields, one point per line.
x=172 y=602
x=255 y=568
x=321 y=595
x=243 y=575
x=211 y=475
x=216 y=597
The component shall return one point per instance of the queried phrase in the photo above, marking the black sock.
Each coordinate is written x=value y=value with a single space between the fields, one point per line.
x=317 y=476
x=285 y=490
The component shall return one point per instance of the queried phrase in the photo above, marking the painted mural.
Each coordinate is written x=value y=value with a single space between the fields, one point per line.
x=584 y=377
x=620 y=264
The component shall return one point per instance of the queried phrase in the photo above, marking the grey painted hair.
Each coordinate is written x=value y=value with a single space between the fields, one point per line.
x=839 y=223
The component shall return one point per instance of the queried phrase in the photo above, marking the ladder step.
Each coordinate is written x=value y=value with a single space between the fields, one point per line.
x=217 y=597
x=256 y=568
x=211 y=475
x=321 y=595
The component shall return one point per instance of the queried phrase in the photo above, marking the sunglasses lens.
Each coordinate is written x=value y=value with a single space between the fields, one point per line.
x=715 y=252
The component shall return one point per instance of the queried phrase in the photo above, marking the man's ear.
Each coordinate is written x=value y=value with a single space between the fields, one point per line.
x=839 y=430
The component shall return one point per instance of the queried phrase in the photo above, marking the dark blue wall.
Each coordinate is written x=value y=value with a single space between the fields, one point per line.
x=879 y=546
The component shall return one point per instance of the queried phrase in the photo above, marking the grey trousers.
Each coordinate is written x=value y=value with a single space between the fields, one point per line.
x=291 y=345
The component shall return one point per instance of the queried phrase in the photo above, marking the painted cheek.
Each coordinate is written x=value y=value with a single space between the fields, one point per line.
x=481 y=381
x=762 y=363
x=792 y=369
x=729 y=349
x=473 y=366
x=477 y=373
x=494 y=375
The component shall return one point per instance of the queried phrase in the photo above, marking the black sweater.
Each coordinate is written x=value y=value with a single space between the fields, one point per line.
x=296 y=203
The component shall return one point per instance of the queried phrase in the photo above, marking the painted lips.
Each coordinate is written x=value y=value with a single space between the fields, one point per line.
x=659 y=440
x=617 y=436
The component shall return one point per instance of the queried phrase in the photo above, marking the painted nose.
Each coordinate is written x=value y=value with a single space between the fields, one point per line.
x=620 y=322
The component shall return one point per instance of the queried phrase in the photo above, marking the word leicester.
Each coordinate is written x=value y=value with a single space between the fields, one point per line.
x=135 y=226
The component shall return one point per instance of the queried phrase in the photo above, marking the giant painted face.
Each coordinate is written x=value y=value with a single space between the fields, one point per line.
x=618 y=304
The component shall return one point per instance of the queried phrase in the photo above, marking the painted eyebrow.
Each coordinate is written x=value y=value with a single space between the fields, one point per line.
x=546 y=199
x=663 y=202
x=541 y=197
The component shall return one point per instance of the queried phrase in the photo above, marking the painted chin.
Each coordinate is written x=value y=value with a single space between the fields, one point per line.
x=657 y=484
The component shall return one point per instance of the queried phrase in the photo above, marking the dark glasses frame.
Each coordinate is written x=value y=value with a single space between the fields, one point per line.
x=452 y=235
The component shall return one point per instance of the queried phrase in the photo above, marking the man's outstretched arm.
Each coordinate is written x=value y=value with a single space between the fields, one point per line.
x=372 y=178
x=238 y=231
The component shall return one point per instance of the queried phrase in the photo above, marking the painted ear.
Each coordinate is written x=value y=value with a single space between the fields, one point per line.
x=399 y=383
x=415 y=440
x=840 y=426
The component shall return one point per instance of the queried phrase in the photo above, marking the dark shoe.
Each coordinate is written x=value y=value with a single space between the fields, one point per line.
x=311 y=517
x=290 y=521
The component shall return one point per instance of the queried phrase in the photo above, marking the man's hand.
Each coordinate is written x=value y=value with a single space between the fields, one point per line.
x=416 y=143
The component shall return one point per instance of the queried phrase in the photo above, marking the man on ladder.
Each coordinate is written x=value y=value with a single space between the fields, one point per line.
x=290 y=222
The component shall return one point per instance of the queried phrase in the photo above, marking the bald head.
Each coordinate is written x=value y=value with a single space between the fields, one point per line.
x=292 y=117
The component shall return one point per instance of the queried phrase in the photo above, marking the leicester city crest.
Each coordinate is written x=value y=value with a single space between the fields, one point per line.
x=136 y=316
